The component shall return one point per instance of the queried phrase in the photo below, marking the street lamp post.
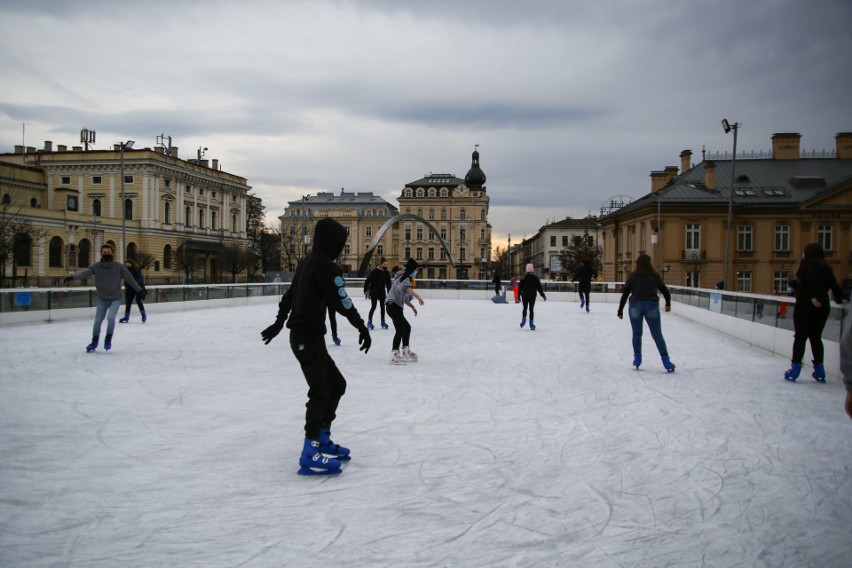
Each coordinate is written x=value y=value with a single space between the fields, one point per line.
x=124 y=146
x=727 y=126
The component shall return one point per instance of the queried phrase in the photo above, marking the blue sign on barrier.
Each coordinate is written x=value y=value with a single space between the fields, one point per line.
x=22 y=298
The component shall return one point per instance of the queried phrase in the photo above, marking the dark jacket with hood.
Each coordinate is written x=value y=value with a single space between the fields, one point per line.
x=317 y=284
x=815 y=280
x=530 y=285
x=378 y=283
x=584 y=276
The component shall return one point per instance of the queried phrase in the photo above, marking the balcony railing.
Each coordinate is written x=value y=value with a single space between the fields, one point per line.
x=694 y=255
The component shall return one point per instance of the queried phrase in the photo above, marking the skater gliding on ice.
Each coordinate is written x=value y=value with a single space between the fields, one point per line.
x=642 y=286
x=376 y=286
x=130 y=294
x=814 y=280
x=108 y=275
x=584 y=277
x=400 y=290
x=317 y=283
x=530 y=286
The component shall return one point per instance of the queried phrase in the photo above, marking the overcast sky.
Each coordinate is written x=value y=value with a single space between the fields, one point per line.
x=571 y=102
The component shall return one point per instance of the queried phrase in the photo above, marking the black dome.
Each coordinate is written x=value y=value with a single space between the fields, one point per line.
x=475 y=178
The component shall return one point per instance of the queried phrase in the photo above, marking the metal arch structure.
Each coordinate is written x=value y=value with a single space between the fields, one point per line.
x=365 y=263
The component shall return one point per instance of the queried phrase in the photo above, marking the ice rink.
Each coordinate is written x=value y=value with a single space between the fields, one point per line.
x=500 y=447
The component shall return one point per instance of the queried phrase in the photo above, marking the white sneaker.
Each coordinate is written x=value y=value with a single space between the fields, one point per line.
x=397 y=358
x=408 y=354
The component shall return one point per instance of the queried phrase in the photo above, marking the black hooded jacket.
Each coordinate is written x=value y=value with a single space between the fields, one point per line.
x=378 y=283
x=317 y=284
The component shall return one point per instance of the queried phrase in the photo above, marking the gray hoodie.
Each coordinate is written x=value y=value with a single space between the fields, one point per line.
x=108 y=276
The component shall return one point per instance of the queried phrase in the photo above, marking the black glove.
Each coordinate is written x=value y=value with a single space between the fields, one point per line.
x=364 y=339
x=68 y=279
x=272 y=331
x=544 y=297
x=142 y=292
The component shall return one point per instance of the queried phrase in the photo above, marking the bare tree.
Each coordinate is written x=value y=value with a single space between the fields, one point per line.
x=581 y=248
x=15 y=231
x=184 y=260
x=235 y=259
x=144 y=259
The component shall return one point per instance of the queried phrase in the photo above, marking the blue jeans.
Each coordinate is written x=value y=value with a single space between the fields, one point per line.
x=650 y=312
x=105 y=309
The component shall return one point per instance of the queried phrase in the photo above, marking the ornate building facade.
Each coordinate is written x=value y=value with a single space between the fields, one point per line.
x=75 y=200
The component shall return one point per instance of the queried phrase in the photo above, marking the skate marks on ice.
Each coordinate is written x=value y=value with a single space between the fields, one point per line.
x=496 y=448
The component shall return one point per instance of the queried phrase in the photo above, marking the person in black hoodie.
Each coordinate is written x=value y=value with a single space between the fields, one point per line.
x=377 y=285
x=814 y=280
x=530 y=286
x=316 y=284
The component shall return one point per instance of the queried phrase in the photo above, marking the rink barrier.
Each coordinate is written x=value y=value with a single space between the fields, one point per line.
x=761 y=320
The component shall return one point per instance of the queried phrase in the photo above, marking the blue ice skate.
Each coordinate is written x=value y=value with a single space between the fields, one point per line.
x=370 y=325
x=582 y=302
x=384 y=325
x=819 y=372
x=523 y=322
x=108 y=342
x=144 y=317
x=637 y=360
x=532 y=325
x=667 y=363
x=93 y=345
x=312 y=462
x=793 y=373
x=335 y=339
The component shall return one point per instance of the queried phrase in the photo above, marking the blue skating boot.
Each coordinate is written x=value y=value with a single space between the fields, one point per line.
x=335 y=339
x=125 y=319
x=144 y=317
x=667 y=363
x=384 y=325
x=312 y=462
x=523 y=322
x=637 y=360
x=819 y=372
x=370 y=325
x=793 y=373
x=532 y=325
x=93 y=345
x=108 y=342
x=582 y=302
x=587 y=308
x=329 y=448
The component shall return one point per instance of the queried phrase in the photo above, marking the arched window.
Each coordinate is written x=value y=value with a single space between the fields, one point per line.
x=406 y=193
x=420 y=192
x=33 y=202
x=55 y=252
x=7 y=199
x=167 y=256
x=96 y=208
x=131 y=251
x=128 y=209
x=23 y=250
x=84 y=253
x=234 y=222
x=187 y=218
x=213 y=219
x=431 y=192
x=167 y=212
x=443 y=192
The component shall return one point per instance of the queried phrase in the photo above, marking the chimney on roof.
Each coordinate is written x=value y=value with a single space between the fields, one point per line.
x=173 y=152
x=48 y=146
x=658 y=180
x=843 y=142
x=671 y=173
x=61 y=148
x=216 y=164
x=710 y=175
x=685 y=160
x=785 y=146
x=19 y=149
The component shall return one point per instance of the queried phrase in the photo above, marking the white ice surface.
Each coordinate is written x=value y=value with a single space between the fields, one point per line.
x=501 y=447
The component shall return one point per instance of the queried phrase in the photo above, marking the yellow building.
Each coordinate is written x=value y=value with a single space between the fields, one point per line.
x=458 y=209
x=781 y=201
x=173 y=211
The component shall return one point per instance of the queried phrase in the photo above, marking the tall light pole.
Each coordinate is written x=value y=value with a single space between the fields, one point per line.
x=727 y=126
x=124 y=146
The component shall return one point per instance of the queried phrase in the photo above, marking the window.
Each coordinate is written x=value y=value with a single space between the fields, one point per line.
x=380 y=250
x=553 y=240
x=7 y=199
x=368 y=213
x=202 y=214
x=432 y=192
x=462 y=253
x=824 y=237
x=167 y=256
x=55 y=253
x=462 y=234
x=128 y=209
x=167 y=213
x=419 y=253
x=419 y=233
x=168 y=183
x=72 y=203
x=23 y=250
x=443 y=214
x=234 y=222
x=744 y=281
x=201 y=191
x=693 y=279
x=420 y=212
x=381 y=213
x=407 y=252
x=462 y=215
x=431 y=214
x=781 y=281
x=188 y=216
x=213 y=219
x=643 y=237
x=693 y=236
x=420 y=192
x=782 y=238
x=482 y=215
x=97 y=180
x=128 y=179
x=431 y=253
x=406 y=193
x=369 y=231
x=444 y=233
x=96 y=208
x=744 y=238
x=443 y=254
x=65 y=180
x=444 y=192
x=408 y=233
x=564 y=240
x=33 y=202
x=84 y=253
x=346 y=250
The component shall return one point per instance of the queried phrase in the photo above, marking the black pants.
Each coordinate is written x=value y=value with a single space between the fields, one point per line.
x=373 y=301
x=808 y=323
x=129 y=295
x=529 y=303
x=325 y=383
x=400 y=325
x=496 y=288
x=584 y=292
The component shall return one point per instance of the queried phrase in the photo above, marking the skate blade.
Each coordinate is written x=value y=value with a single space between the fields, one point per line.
x=309 y=471
x=339 y=458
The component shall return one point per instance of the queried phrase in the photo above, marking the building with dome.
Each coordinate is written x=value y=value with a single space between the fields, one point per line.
x=458 y=209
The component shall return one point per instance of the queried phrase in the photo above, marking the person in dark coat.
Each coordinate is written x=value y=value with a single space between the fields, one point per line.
x=316 y=284
x=496 y=282
x=376 y=286
x=529 y=287
x=130 y=294
x=584 y=276
x=814 y=280
x=641 y=288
